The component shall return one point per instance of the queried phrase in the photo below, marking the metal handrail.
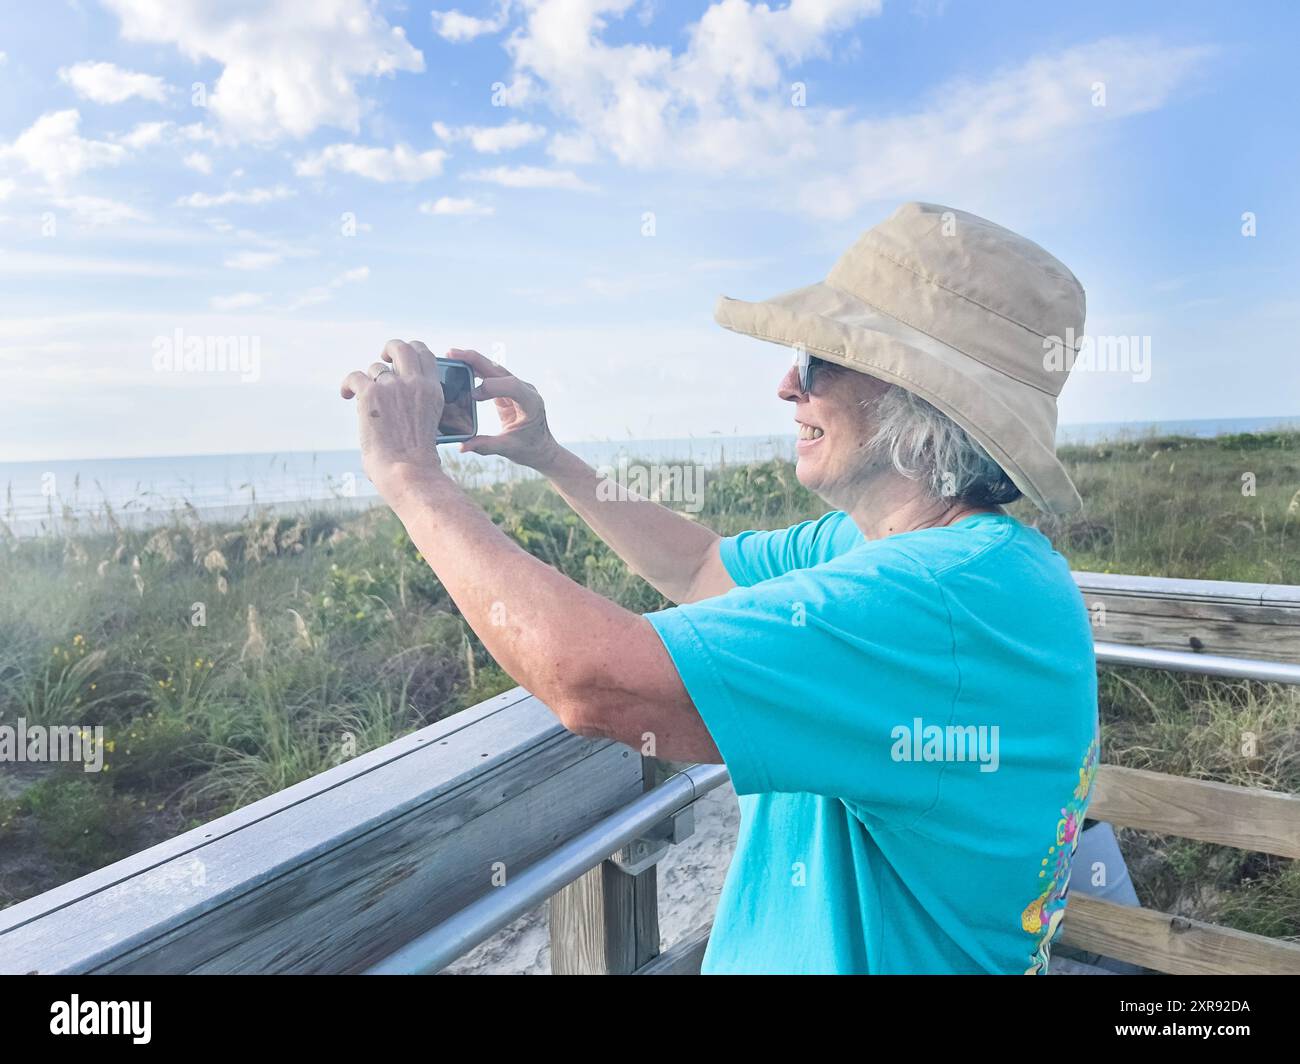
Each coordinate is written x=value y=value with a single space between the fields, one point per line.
x=1207 y=664
x=479 y=921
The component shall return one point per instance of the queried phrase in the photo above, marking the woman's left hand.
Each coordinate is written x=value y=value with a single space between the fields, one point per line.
x=399 y=404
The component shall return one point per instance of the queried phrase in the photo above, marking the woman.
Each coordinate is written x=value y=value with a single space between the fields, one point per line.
x=903 y=691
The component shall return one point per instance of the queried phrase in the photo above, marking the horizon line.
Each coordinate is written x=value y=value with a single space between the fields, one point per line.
x=631 y=439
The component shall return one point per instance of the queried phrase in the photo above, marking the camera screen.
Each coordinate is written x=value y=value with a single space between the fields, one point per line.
x=458 y=390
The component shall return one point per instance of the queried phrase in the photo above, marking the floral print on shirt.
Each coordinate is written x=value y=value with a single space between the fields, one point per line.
x=1042 y=916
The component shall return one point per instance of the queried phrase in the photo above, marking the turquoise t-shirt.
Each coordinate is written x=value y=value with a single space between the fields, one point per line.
x=910 y=724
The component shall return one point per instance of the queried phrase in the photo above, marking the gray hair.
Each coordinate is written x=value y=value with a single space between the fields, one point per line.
x=924 y=444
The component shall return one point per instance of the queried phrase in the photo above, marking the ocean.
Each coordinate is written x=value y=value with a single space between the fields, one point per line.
x=46 y=495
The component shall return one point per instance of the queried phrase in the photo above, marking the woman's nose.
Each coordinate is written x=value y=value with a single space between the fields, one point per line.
x=789 y=388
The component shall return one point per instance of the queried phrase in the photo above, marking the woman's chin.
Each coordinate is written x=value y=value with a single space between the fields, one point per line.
x=806 y=472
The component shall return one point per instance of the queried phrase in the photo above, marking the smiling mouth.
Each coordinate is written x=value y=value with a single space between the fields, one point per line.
x=809 y=432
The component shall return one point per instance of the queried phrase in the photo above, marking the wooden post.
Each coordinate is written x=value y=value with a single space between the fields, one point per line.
x=607 y=922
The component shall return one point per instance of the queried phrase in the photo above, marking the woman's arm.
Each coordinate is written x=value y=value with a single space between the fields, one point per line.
x=677 y=556
x=601 y=669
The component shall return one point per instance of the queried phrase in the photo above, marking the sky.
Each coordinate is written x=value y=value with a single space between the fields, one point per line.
x=569 y=185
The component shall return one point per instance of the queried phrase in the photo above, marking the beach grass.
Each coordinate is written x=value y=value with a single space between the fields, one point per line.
x=227 y=660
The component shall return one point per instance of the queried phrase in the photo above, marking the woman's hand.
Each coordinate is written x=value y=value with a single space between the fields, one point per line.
x=525 y=438
x=398 y=409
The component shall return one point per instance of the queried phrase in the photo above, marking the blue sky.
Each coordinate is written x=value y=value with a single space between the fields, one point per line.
x=346 y=172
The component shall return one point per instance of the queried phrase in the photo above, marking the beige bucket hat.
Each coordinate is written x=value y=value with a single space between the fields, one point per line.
x=971 y=317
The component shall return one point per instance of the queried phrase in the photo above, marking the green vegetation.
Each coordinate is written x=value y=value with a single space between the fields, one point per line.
x=324 y=636
x=1176 y=506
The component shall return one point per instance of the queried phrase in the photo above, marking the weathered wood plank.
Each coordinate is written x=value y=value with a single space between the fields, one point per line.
x=684 y=958
x=1209 y=591
x=1172 y=944
x=1248 y=818
x=343 y=874
x=189 y=842
x=1205 y=616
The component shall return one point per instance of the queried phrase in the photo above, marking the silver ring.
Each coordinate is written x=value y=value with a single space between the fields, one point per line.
x=385 y=369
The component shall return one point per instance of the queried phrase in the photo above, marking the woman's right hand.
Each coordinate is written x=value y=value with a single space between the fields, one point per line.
x=525 y=438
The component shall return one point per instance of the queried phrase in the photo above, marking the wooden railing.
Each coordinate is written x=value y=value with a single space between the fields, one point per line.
x=1203 y=616
x=336 y=872
x=1244 y=817
x=341 y=871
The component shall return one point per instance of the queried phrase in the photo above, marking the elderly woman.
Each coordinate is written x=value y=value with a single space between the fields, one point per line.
x=904 y=690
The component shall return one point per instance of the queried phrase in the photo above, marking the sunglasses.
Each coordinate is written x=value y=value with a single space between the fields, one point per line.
x=806 y=363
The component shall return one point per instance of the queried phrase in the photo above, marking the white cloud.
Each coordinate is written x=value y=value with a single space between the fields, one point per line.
x=197 y=131
x=253 y=197
x=253 y=260
x=52 y=147
x=1002 y=123
x=106 y=83
x=147 y=134
x=323 y=293
x=237 y=301
x=454 y=26
x=722 y=104
x=643 y=103
x=531 y=177
x=400 y=163
x=452 y=205
x=144 y=135
x=573 y=148
x=288 y=67
x=492 y=139
x=742 y=49
x=7 y=185
x=96 y=210
x=196 y=160
x=71 y=265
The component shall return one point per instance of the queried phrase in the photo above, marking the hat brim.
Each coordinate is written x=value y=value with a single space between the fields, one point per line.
x=1015 y=422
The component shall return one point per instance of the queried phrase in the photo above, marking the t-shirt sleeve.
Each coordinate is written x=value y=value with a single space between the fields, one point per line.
x=755 y=556
x=809 y=682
